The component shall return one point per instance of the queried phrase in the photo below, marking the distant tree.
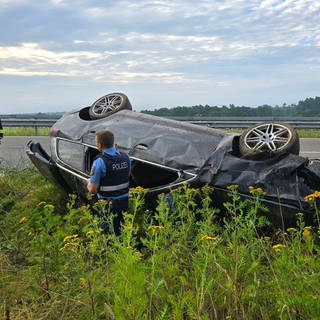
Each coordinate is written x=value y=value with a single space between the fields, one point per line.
x=310 y=107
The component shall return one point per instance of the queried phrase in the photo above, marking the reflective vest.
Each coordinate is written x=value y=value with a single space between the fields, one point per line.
x=116 y=180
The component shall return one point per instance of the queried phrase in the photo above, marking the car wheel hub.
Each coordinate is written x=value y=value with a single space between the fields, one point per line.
x=268 y=137
x=107 y=104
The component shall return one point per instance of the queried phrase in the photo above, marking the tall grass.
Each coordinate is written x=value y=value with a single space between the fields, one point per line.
x=185 y=260
x=25 y=131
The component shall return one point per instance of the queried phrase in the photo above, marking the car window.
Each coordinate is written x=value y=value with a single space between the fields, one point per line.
x=91 y=154
x=71 y=153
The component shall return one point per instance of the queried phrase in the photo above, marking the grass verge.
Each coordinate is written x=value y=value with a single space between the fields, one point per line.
x=185 y=260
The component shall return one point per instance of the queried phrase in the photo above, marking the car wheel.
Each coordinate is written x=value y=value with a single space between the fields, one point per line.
x=268 y=139
x=109 y=104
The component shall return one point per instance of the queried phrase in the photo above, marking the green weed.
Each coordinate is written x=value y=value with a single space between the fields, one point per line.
x=25 y=131
x=184 y=260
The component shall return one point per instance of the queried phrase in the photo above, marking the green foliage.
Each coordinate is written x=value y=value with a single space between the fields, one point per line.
x=25 y=131
x=310 y=107
x=185 y=260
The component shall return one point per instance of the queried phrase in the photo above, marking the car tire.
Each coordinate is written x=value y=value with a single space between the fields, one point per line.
x=109 y=104
x=268 y=139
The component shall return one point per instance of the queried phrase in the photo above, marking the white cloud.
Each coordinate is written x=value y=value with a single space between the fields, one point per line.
x=29 y=59
x=28 y=73
x=33 y=52
x=189 y=45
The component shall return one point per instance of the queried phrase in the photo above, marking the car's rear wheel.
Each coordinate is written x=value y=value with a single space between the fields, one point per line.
x=109 y=104
x=268 y=139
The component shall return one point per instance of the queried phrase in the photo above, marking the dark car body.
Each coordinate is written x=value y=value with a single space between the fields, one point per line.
x=167 y=153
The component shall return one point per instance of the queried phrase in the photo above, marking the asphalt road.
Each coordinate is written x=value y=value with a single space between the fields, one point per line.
x=12 y=150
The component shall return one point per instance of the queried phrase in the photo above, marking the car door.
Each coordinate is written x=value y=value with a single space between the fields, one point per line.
x=45 y=165
x=70 y=160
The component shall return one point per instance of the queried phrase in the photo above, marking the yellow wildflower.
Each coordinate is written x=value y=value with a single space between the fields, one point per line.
x=70 y=238
x=290 y=230
x=307 y=233
x=160 y=228
x=137 y=254
x=278 y=247
x=256 y=191
x=138 y=189
x=89 y=196
x=127 y=228
x=175 y=190
x=312 y=196
x=100 y=204
x=206 y=237
x=49 y=206
x=23 y=219
x=207 y=189
x=30 y=233
x=83 y=282
x=93 y=246
x=233 y=187
x=69 y=246
x=82 y=218
x=90 y=233
x=72 y=196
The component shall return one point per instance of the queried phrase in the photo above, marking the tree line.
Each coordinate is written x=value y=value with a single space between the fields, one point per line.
x=310 y=107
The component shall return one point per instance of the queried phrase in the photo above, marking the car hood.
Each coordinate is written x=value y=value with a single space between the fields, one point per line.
x=171 y=143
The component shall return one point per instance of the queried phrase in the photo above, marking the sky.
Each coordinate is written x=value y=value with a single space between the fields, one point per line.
x=58 y=55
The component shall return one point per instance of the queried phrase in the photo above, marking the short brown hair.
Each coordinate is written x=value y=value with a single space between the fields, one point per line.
x=105 y=138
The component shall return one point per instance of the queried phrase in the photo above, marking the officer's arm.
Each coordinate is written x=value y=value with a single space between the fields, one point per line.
x=94 y=180
x=92 y=187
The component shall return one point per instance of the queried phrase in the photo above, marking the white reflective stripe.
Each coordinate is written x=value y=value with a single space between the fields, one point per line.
x=114 y=188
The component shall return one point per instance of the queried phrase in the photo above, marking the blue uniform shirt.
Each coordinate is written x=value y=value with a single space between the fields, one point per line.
x=99 y=170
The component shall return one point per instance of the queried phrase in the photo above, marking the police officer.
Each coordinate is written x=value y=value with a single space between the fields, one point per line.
x=109 y=176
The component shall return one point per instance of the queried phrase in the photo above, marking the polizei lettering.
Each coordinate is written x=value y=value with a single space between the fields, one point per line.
x=119 y=166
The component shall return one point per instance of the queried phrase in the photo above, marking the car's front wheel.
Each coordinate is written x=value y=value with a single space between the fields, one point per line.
x=109 y=104
x=268 y=139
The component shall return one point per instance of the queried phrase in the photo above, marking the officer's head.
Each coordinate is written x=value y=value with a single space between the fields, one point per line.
x=104 y=139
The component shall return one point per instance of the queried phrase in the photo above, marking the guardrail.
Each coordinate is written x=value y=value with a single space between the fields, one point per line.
x=35 y=123
x=215 y=122
x=244 y=122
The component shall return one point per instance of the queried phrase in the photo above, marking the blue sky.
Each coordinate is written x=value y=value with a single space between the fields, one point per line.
x=61 y=54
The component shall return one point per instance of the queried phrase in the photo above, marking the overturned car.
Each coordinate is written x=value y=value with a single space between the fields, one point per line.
x=167 y=153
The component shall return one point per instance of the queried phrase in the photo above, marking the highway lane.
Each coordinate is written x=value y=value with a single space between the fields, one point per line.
x=310 y=147
x=12 y=150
